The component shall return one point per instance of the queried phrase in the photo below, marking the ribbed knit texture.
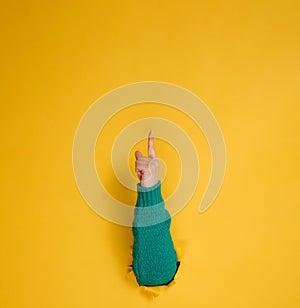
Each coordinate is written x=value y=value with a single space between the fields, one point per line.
x=154 y=256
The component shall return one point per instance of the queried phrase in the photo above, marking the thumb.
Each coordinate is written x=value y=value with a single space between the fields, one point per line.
x=138 y=154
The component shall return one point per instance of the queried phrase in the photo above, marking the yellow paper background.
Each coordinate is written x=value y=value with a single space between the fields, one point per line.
x=241 y=58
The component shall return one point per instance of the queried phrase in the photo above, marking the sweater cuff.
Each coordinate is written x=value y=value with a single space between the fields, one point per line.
x=149 y=196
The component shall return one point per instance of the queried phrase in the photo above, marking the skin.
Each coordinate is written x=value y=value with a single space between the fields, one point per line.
x=146 y=167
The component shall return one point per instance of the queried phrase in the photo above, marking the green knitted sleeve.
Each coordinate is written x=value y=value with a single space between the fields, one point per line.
x=154 y=256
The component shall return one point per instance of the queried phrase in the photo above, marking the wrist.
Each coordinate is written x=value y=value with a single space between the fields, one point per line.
x=141 y=188
x=148 y=183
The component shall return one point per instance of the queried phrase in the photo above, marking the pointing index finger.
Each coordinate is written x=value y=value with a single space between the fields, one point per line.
x=151 y=151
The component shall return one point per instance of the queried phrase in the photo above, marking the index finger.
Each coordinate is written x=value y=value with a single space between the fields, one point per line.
x=151 y=151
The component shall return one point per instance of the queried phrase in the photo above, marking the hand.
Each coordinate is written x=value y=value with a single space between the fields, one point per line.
x=146 y=168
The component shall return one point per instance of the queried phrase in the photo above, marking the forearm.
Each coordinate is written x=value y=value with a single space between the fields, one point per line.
x=154 y=256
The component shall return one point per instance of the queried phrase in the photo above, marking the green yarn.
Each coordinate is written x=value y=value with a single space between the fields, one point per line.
x=154 y=255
